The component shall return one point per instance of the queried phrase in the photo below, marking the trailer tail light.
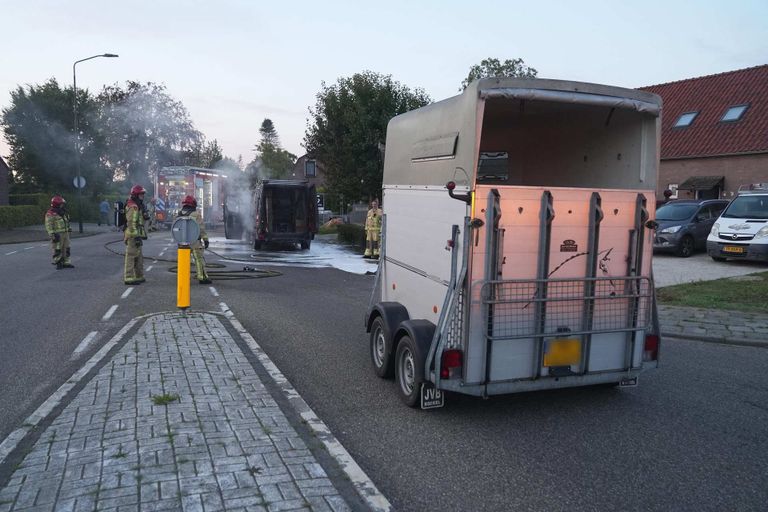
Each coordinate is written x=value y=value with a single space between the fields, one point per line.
x=451 y=364
x=651 y=349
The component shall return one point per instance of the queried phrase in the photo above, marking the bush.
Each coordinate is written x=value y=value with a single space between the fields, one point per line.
x=41 y=199
x=18 y=216
x=353 y=234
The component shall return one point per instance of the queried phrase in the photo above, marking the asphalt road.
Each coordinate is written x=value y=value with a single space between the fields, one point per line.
x=690 y=437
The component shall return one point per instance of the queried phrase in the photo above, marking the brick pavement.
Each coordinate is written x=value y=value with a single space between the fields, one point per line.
x=220 y=443
x=715 y=325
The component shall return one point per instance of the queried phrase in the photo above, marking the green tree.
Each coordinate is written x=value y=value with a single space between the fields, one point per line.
x=272 y=161
x=348 y=125
x=489 y=68
x=143 y=129
x=38 y=126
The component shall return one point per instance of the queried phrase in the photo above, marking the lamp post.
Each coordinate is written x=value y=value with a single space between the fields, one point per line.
x=79 y=184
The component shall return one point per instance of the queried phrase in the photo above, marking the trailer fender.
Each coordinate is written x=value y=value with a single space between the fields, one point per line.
x=393 y=314
x=421 y=332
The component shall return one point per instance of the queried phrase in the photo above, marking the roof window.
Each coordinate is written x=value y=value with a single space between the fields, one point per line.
x=685 y=119
x=734 y=113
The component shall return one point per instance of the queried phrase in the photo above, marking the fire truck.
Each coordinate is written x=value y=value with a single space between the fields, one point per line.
x=173 y=183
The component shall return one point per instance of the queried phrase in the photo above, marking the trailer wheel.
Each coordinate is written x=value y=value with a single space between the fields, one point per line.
x=409 y=371
x=382 y=357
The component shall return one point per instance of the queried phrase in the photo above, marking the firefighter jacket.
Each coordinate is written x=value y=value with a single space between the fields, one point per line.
x=134 y=221
x=194 y=214
x=56 y=221
x=373 y=219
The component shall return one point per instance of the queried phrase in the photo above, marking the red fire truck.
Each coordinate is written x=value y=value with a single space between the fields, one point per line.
x=173 y=183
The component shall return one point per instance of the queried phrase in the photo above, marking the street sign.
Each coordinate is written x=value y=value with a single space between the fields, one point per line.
x=185 y=231
x=79 y=182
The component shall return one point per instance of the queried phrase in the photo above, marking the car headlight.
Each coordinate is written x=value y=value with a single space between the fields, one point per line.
x=670 y=230
x=715 y=229
x=762 y=233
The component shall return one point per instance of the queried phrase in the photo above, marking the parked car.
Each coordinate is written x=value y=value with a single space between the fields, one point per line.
x=742 y=230
x=684 y=224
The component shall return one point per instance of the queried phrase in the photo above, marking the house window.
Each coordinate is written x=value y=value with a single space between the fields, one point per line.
x=310 y=168
x=685 y=119
x=734 y=113
x=673 y=188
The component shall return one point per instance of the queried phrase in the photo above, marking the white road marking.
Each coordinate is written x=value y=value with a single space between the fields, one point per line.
x=83 y=345
x=12 y=252
x=213 y=291
x=161 y=253
x=126 y=292
x=149 y=268
x=360 y=480
x=28 y=248
x=109 y=313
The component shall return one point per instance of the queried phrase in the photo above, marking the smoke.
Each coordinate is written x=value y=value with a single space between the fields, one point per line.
x=239 y=198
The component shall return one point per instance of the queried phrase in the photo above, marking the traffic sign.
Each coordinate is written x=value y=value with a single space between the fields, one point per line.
x=79 y=182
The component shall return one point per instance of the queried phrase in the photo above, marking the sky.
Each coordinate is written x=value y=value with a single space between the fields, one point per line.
x=233 y=63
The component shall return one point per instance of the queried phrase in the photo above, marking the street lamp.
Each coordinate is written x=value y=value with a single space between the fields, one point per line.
x=79 y=184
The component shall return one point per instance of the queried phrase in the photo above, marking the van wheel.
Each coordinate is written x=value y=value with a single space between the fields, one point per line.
x=257 y=245
x=686 y=247
x=718 y=258
x=305 y=244
x=409 y=371
x=382 y=356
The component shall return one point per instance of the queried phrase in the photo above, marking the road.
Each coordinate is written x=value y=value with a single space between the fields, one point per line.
x=690 y=437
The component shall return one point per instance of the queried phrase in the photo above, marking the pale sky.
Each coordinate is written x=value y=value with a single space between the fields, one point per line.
x=233 y=63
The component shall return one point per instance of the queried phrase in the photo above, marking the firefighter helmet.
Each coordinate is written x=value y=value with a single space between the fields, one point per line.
x=137 y=190
x=189 y=201
x=57 y=201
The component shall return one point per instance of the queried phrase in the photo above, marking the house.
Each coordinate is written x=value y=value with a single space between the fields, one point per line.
x=5 y=173
x=714 y=134
x=306 y=167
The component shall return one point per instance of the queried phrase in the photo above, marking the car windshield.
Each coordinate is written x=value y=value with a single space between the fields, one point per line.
x=747 y=207
x=676 y=211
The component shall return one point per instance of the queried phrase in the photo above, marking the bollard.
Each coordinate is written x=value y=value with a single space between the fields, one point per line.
x=184 y=231
x=183 y=277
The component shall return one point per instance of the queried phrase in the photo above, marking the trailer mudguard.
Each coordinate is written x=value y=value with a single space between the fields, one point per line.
x=421 y=332
x=393 y=314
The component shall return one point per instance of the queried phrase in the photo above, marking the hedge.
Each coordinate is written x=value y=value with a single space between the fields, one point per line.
x=18 y=216
x=353 y=234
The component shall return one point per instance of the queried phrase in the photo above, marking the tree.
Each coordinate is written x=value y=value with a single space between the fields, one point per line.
x=38 y=126
x=347 y=126
x=143 y=128
x=489 y=68
x=274 y=161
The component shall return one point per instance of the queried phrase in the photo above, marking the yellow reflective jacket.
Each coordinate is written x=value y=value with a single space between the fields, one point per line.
x=134 y=221
x=56 y=221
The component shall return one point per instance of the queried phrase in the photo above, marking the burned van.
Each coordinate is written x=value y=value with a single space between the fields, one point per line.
x=284 y=212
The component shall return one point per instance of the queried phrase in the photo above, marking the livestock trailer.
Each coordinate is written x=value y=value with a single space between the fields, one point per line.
x=517 y=241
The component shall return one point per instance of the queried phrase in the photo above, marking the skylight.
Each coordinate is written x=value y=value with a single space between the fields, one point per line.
x=685 y=119
x=734 y=113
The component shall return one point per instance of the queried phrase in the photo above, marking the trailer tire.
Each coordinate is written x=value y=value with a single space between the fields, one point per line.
x=409 y=371
x=382 y=356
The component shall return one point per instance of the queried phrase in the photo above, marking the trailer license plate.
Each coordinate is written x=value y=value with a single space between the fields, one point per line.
x=733 y=249
x=562 y=352
x=431 y=397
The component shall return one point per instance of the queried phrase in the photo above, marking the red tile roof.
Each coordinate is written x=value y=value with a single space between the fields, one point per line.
x=711 y=96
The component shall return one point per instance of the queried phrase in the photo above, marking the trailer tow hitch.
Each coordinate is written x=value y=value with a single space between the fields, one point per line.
x=467 y=198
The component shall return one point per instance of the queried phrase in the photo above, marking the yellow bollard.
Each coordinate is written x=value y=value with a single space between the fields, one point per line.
x=183 y=277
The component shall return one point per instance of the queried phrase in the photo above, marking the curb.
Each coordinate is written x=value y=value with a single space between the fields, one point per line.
x=716 y=339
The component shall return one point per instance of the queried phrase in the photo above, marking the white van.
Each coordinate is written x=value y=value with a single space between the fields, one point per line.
x=742 y=229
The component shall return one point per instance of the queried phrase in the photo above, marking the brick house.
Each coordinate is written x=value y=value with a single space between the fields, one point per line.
x=310 y=169
x=714 y=133
x=5 y=173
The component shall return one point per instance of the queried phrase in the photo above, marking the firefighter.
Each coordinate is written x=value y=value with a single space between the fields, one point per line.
x=189 y=209
x=57 y=226
x=152 y=215
x=373 y=230
x=134 y=236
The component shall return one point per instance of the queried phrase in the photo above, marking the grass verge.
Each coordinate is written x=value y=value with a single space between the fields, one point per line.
x=743 y=293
